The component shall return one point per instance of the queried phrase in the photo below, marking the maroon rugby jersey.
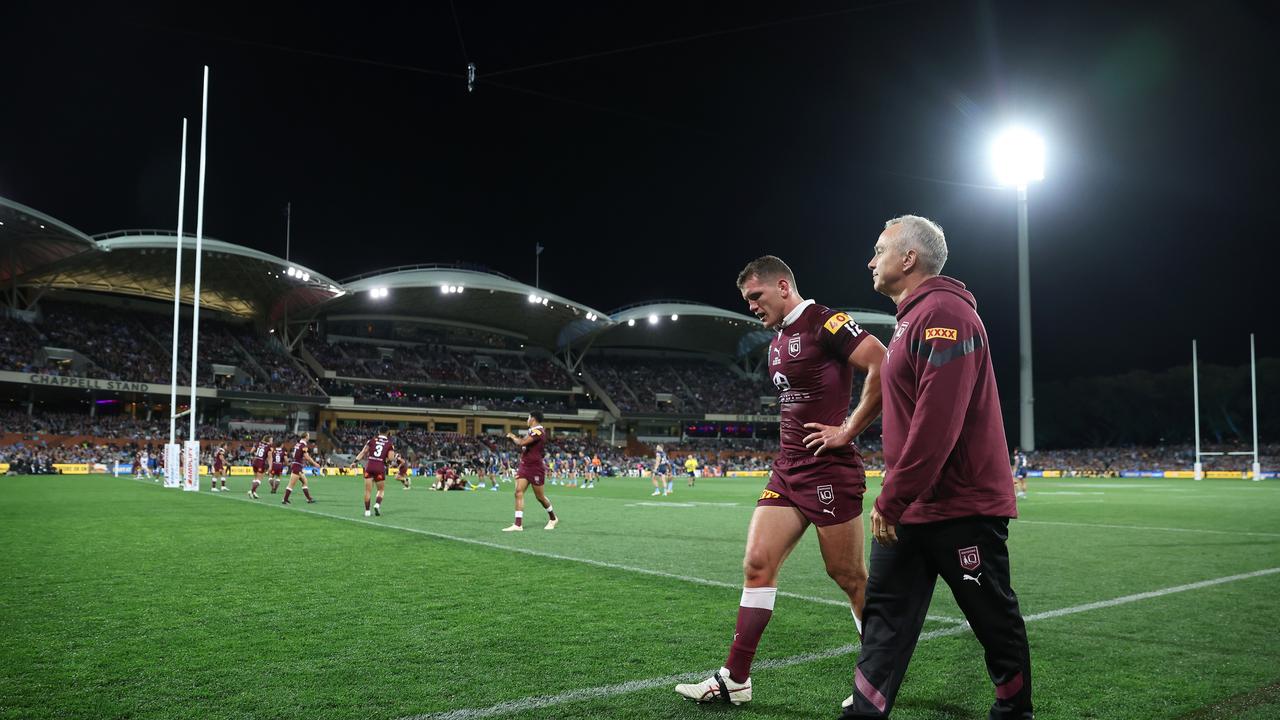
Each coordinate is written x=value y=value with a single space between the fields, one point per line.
x=300 y=451
x=261 y=449
x=277 y=455
x=531 y=454
x=379 y=448
x=809 y=365
x=219 y=455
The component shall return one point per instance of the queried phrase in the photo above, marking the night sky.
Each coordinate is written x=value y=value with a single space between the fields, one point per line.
x=654 y=148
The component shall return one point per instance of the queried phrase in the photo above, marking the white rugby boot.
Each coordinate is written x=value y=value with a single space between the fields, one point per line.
x=717 y=688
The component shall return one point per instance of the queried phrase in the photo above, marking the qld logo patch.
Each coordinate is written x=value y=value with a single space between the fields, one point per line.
x=826 y=495
x=970 y=558
x=940 y=334
x=793 y=345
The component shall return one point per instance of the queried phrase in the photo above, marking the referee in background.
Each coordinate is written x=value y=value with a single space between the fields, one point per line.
x=945 y=505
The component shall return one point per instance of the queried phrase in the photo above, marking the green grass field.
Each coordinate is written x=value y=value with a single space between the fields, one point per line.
x=120 y=599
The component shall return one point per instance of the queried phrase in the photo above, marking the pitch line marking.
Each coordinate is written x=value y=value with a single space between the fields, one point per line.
x=543 y=701
x=1145 y=527
x=555 y=556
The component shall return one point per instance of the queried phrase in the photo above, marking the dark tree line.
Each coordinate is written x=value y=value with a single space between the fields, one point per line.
x=1150 y=408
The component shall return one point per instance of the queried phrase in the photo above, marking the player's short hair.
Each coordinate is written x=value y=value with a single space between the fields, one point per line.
x=536 y=415
x=925 y=237
x=766 y=267
x=382 y=429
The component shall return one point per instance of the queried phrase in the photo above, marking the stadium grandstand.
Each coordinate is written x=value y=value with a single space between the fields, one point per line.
x=451 y=357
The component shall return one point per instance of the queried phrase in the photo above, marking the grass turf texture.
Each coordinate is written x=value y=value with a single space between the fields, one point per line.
x=122 y=599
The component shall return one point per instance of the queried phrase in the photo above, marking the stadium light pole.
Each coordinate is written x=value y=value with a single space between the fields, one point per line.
x=1018 y=157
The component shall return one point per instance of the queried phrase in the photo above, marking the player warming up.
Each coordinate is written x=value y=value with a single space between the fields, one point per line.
x=402 y=471
x=661 y=472
x=532 y=471
x=301 y=458
x=277 y=466
x=219 y=469
x=817 y=476
x=261 y=453
x=377 y=454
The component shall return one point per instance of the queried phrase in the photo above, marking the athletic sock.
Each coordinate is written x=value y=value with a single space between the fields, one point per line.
x=306 y=491
x=256 y=483
x=753 y=615
x=377 y=502
x=551 y=514
x=287 y=492
x=366 y=506
x=519 y=518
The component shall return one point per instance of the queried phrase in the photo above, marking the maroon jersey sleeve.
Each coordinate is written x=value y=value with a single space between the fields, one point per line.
x=838 y=334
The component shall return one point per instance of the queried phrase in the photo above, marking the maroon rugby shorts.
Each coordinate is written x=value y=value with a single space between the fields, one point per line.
x=826 y=490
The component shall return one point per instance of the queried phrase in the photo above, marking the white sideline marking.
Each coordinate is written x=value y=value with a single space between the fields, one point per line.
x=542 y=701
x=1146 y=527
x=552 y=556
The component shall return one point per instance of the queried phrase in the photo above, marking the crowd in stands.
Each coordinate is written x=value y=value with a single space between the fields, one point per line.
x=691 y=387
x=1107 y=461
x=137 y=347
x=434 y=364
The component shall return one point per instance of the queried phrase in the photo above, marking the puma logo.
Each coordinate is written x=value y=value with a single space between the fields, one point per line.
x=832 y=513
x=967 y=576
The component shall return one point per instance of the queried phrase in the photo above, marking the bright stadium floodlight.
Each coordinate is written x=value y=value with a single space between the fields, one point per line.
x=457 y=288
x=306 y=277
x=631 y=322
x=1017 y=155
x=533 y=298
x=545 y=301
x=444 y=290
x=674 y=317
x=291 y=272
x=653 y=319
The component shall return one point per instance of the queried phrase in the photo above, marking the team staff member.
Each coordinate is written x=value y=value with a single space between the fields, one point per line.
x=945 y=505
x=691 y=468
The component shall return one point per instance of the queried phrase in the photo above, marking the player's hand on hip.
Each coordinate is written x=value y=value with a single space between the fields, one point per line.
x=881 y=530
x=825 y=437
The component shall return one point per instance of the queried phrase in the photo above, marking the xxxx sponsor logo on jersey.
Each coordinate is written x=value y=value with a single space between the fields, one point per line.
x=768 y=495
x=940 y=333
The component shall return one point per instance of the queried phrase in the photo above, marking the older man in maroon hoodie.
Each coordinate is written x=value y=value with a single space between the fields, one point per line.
x=946 y=502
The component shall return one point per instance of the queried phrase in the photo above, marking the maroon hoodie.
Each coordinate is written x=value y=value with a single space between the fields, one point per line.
x=944 y=447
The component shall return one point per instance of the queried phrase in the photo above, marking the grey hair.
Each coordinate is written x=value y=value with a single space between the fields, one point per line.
x=925 y=237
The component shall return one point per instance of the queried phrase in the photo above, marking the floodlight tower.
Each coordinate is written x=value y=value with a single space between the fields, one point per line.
x=1018 y=157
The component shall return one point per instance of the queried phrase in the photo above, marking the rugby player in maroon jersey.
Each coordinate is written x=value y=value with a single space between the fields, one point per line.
x=301 y=458
x=261 y=451
x=219 y=469
x=532 y=471
x=817 y=477
x=377 y=453
x=402 y=470
x=277 y=466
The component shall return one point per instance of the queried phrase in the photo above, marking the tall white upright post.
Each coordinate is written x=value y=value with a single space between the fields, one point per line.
x=1195 y=392
x=193 y=443
x=1253 y=378
x=172 y=463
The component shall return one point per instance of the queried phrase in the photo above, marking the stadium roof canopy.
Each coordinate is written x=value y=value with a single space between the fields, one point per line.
x=682 y=325
x=29 y=239
x=697 y=327
x=234 y=279
x=467 y=297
